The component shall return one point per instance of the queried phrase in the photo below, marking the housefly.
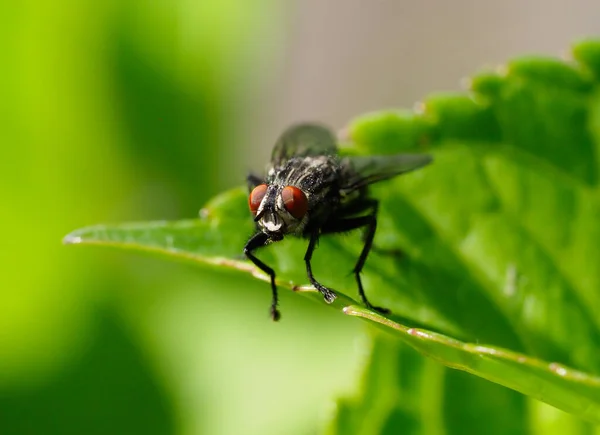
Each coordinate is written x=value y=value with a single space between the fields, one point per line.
x=309 y=190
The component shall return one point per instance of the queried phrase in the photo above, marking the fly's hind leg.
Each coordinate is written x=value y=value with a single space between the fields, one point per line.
x=371 y=224
x=350 y=223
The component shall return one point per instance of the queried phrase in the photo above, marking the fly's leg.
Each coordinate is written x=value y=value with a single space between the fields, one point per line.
x=365 y=204
x=328 y=294
x=256 y=241
x=347 y=224
x=371 y=223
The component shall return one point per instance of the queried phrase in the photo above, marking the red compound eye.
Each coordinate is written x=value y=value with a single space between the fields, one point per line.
x=294 y=201
x=256 y=197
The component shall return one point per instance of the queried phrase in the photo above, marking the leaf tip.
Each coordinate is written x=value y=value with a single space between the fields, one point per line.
x=71 y=239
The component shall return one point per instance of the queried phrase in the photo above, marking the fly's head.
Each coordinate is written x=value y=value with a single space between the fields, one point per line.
x=278 y=210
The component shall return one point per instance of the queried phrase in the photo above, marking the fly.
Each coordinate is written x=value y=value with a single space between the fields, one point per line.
x=309 y=191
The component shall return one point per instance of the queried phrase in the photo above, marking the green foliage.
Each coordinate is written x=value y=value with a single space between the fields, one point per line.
x=501 y=244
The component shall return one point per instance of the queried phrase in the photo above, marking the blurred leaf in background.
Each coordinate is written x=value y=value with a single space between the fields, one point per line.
x=125 y=110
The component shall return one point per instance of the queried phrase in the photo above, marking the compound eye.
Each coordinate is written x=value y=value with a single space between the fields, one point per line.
x=294 y=201
x=256 y=197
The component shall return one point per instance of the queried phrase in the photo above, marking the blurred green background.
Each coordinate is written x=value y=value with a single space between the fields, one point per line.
x=119 y=111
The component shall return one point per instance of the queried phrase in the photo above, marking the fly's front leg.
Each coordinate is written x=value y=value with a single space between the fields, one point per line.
x=328 y=294
x=256 y=241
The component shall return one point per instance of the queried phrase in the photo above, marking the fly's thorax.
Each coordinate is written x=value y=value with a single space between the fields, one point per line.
x=317 y=176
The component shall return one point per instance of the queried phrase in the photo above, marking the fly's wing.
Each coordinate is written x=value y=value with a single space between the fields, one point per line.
x=363 y=170
x=303 y=140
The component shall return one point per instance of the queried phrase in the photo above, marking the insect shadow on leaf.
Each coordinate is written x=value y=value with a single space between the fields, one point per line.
x=309 y=191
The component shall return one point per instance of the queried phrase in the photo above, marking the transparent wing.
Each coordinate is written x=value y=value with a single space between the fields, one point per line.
x=364 y=170
x=303 y=140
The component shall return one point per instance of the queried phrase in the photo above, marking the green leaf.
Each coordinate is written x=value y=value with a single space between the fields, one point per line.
x=404 y=392
x=500 y=235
